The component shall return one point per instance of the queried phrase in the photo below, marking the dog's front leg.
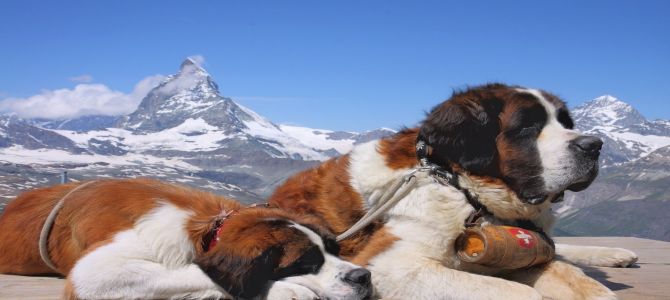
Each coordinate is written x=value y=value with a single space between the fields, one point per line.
x=408 y=276
x=108 y=274
x=560 y=280
x=281 y=290
x=596 y=256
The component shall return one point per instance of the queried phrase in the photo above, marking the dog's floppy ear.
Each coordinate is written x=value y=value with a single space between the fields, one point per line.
x=241 y=276
x=463 y=130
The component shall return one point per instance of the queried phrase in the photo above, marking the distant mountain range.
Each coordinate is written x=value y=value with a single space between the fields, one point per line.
x=185 y=131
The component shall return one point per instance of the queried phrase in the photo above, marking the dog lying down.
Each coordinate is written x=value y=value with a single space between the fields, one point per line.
x=145 y=239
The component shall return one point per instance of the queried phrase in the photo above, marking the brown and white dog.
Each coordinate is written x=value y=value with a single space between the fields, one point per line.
x=512 y=149
x=145 y=239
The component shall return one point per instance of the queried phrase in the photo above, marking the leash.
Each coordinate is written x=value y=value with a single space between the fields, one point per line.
x=399 y=189
x=382 y=204
x=48 y=224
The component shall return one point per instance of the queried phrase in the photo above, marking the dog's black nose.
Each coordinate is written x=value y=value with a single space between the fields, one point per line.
x=588 y=143
x=358 y=276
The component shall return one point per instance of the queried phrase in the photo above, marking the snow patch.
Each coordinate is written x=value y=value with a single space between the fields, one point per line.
x=318 y=138
x=191 y=135
x=20 y=155
x=262 y=128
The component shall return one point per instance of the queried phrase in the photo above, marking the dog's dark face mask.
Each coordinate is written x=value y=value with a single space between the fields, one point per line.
x=256 y=248
x=522 y=137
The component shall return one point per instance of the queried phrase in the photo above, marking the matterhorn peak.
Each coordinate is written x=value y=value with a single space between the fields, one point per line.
x=190 y=93
x=191 y=66
x=607 y=98
x=610 y=101
x=189 y=61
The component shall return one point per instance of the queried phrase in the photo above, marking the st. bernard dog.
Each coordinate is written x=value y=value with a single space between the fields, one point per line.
x=511 y=151
x=145 y=239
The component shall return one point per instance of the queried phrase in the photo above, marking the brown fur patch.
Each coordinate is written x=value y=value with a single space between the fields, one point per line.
x=68 y=291
x=325 y=192
x=380 y=241
x=399 y=150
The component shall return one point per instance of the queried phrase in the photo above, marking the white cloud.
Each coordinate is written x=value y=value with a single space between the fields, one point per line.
x=83 y=99
x=197 y=59
x=85 y=78
x=189 y=75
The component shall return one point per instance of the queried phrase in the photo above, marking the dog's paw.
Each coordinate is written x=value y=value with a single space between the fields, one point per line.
x=290 y=291
x=203 y=295
x=616 y=257
x=521 y=291
x=596 y=256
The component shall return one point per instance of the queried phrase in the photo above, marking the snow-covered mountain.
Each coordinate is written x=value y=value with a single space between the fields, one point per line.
x=189 y=94
x=183 y=130
x=187 y=113
x=627 y=134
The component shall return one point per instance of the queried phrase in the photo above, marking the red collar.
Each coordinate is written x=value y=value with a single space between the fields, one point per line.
x=216 y=230
x=212 y=237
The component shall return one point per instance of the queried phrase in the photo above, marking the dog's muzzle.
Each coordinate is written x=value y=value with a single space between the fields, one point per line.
x=586 y=149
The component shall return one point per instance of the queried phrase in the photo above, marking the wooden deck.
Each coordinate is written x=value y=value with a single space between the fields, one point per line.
x=649 y=279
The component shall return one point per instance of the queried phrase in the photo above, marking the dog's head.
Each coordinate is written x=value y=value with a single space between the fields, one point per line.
x=260 y=245
x=522 y=137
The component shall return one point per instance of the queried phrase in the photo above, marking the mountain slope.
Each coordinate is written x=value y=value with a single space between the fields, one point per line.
x=15 y=132
x=632 y=199
x=84 y=123
x=333 y=142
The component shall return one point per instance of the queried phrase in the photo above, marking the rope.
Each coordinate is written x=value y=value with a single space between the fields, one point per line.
x=48 y=223
x=382 y=204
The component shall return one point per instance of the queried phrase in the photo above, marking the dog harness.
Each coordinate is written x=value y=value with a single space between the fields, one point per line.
x=403 y=185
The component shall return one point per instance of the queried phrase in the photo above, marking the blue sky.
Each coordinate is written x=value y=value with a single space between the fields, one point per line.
x=347 y=65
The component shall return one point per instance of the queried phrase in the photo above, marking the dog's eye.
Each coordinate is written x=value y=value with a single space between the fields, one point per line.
x=309 y=263
x=529 y=131
x=565 y=120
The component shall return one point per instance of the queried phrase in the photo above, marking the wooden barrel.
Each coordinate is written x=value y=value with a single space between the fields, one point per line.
x=503 y=247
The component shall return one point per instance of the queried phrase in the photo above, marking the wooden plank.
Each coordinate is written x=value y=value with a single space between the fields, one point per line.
x=30 y=287
x=649 y=279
